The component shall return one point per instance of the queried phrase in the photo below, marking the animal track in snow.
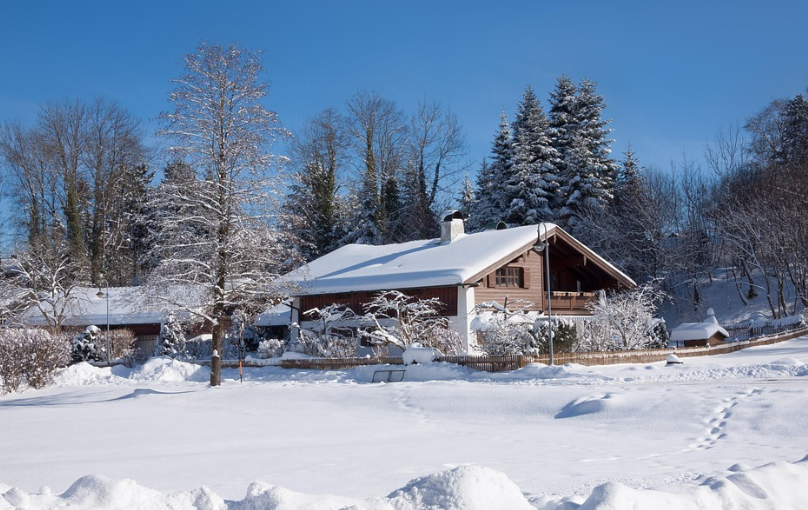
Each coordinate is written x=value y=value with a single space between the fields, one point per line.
x=716 y=426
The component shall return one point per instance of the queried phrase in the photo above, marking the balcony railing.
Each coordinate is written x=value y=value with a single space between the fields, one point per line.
x=566 y=302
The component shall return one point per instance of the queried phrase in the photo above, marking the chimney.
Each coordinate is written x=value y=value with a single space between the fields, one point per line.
x=451 y=226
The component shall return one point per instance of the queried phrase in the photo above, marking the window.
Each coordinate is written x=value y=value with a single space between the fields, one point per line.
x=509 y=277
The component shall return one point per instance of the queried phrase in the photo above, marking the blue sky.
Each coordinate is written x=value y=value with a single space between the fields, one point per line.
x=673 y=74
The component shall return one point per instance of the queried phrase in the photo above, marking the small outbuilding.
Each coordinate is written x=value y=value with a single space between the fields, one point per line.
x=699 y=334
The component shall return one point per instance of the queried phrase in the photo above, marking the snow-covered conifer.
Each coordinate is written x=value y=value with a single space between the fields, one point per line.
x=490 y=199
x=580 y=136
x=533 y=180
x=171 y=341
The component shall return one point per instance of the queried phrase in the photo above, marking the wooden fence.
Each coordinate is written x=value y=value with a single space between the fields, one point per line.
x=514 y=362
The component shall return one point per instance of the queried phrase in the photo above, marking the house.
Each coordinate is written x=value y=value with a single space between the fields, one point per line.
x=463 y=271
x=699 y=334
x=137 y=309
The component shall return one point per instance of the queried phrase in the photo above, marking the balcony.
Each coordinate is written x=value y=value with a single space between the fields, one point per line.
x=571 y=303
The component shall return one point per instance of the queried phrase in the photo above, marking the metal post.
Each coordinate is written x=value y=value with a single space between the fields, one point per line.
x=549 y=295
x=106 y=295
x=538 y=248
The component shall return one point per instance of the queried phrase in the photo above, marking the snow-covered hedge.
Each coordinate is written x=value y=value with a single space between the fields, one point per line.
x=30 y=356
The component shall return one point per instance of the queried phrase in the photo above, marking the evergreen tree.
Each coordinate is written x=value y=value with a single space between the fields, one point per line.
x=313 y=202
x=532 y=181
x=794 y=147
x=587 y=176
x=135 y=207
x=489 y=204
x=465 y=202
x=378 y=132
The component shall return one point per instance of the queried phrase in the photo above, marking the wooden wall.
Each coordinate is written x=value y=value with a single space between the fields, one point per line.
x=533 y=289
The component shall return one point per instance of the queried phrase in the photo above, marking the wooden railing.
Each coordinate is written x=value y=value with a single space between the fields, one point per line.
x=570 y=301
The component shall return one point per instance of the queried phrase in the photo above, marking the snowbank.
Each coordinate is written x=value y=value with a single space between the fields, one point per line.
x=780 y=485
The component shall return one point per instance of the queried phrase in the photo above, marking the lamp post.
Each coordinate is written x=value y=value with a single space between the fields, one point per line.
x=538 y=248
x=101 y=294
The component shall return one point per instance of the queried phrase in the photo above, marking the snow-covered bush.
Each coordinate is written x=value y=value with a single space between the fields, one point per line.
x=171 y=341
x=622 y=320
x=270 y=348
x=565 y=335
x=89 y=345
x=333 y=334
x=325 y=346
x=659 y=335
x=503 y=331
x=396 y=319
x=122 y=344
x=31 y=356
x=416 y=353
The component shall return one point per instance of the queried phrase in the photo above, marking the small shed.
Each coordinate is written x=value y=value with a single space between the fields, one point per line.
x=699 y=334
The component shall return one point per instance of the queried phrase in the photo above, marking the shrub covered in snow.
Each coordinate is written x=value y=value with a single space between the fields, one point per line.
x=320 y=345
x=623 y=320
x=565 y=335
x=171 y=341
x=89 y=345
x=505 y=329
x=31 y=356
x=270 y=348
x=396 y=319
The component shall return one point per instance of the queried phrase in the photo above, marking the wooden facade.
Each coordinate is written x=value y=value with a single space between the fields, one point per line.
x=574 y=279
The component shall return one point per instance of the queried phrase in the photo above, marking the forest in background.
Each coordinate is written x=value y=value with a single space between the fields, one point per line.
x=88 y=210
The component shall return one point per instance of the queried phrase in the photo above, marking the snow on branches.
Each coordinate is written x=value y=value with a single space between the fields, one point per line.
x=622 y=320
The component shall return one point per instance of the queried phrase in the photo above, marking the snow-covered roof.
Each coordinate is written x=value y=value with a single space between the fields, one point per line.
x=278 y=315
x=696 y=331
x=127 y=305
x=416 y=264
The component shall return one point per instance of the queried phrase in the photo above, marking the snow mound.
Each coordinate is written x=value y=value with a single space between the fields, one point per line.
x=263 y=496
x=100 y=492
x=170 y=370
x=588 y=405
x=780 y=485
x=84 y=374
x=417 y=354
x=462 y=488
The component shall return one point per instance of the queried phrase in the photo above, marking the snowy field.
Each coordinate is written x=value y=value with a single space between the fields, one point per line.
x=720 y=432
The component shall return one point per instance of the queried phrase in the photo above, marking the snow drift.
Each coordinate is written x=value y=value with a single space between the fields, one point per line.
x=780 y=485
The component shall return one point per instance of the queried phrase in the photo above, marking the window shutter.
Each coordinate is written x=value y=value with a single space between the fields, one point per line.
x=488 y=281
x=525 y=277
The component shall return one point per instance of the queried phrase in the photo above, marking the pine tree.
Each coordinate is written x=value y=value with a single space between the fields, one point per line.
x=465 y=200
x=313 y=203
x=587 y=172
x=489 y=204
x=532 y=182
x=378 y=132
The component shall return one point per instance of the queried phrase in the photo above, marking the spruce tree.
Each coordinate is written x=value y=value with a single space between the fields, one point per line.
x=489 y=204
x=580 y=136
x=532 y=182
x=313 y=203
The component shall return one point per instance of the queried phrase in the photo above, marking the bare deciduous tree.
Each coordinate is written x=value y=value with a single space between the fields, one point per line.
x=220 y=125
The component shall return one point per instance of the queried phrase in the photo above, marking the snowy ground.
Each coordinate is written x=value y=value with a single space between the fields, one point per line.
x=719 y=432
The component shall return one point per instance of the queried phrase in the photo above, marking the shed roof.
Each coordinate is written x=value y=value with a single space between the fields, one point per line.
x=697 y=331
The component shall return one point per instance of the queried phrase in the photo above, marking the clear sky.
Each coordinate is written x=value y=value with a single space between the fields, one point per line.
x=673 y=74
